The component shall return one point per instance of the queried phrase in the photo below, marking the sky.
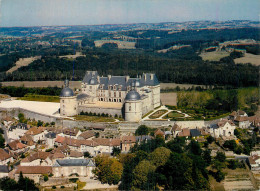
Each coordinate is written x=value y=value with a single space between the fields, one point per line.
x=95 y=12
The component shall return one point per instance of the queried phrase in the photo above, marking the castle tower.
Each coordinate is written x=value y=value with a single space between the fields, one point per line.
x=133 y=106
x=68 y=101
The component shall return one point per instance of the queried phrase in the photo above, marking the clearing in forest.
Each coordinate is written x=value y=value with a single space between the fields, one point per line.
x=214 y=56
x=23 y=62
x=249 y=58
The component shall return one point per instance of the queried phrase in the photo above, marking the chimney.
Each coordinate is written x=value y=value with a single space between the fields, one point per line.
x=151 y=76
x=109 y=77
x=144 y=77
x=98 y=79
x=126 y=78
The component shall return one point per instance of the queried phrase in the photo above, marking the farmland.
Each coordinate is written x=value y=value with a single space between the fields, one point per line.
x=214 y=56
x=22 y=62
x=249 y=58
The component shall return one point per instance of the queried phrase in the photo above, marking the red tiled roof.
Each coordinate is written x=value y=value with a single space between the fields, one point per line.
x=15 y=145
x=60 y=139
x=34 y=170
x=35 y=156
x=241 y=118
x=128 y=139
x=223 y=122
x=158 y=132
x=35 y=130
x=87 y=134
x=4 y=155
x=185 y=132
x=107 y=142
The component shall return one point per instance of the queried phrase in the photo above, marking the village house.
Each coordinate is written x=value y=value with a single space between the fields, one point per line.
x=37 y=133
x=87 y=135
x=106 y=145
x=16 y=146
x=142 y=138
x=195 y=133
x=71 y=133
x=175 y=130
x=185 y=132
x=32 y=172
x=37 y=159
x=76 y=155
x=224 y=128
x=4 y=170
x=254 y=162
x=127 y=142
x=15 y=132
x=242 y=122
x=28 y=141
x=50 y=139
x=236 y=114
x=5 y=158
x=159 y=133
x=70 y=167
x=59 y=141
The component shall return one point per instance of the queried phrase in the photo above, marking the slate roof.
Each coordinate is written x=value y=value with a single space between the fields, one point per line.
x=50 y=135
x=4 y=169
x=82 y=96
x=19 y=126
x=147 y=79
x=143 y=138
x=195 y=132
x=74 y=162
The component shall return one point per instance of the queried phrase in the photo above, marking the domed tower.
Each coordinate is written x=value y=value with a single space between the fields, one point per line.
x=133 y=106
x=68 y=101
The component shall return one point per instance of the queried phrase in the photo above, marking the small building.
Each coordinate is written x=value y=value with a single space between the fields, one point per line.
x=224 y=128
x=185 y=132
x=37 y=159
x=50 y=139
x=175 y=130
x=242 y=122
x=195 y=133
x=15 y=132
x=254 y=162
x=37 y=133
x=160 y=133
x=5 y=158
x=32 y=172
x=16 y=146
x=87 y=135
x=127 y=142
x=70 y=167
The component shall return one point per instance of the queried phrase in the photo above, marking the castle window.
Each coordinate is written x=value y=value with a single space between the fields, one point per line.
x=114 y=94
x=119 y=94
x=114 y=100
x=120 y=87
x=109 y=94
x=130 y=108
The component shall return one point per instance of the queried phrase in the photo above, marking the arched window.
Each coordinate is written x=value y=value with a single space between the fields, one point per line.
x=130 y=108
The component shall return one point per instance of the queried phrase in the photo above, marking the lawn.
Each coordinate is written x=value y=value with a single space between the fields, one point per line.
x=157 y=114
x=94 y=118
x=43 y=98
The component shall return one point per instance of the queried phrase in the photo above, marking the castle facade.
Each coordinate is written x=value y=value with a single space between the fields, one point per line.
x=123 y=96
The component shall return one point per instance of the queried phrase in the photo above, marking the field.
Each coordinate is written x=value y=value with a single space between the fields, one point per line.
x=78 y=54
x=23 y=62
x=169 y=98
x=173 y=114
x=213 y=56
x=43 y=98
x=94 y=118
x=157 y=114
x=249 y=58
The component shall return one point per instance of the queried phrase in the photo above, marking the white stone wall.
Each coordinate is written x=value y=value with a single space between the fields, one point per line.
x=16 y=133
x=68 y=170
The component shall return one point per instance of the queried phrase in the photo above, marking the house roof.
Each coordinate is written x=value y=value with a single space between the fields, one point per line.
x=35 y=130
x=51 y=135
x=35 y=156
x=234 y=113
x=107 y=142
x=185 y=132
x=4 y=169
x=70 y=132
x=15 y=145
x=4 y=155
x=158 y=132
x=128 y=139
x=74 y=162
x=60 y=139
x=223 y=122
x=241 y=118
x=142 y=138
x=76 y=154
x=34 y=170
x=195 y=132
x=87 y=134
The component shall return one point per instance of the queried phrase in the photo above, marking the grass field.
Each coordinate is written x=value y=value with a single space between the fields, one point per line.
x=23 y=62
x=249 y=58
x=94 y=118
x=157 y=114
x=174 y=114
x=214 y=56
x=43 y=98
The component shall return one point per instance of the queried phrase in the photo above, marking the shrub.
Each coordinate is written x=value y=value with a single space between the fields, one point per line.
x=74 y=180
x=45 y=178
x=62 y=187
x=53 y=187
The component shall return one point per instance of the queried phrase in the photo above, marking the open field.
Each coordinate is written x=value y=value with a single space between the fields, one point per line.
x=214 y=56
x=94 y=118
x=78 y=54
x=23 y=62
x=249 y=58
x=169 y=98
x=43 y=98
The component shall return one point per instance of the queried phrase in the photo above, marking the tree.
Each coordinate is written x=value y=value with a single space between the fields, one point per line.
x=231 y=144
x=159 y=156
x=7 y=184
x=21 y=117
x=142 y=130
x=221 y=157
x=210 y=139
x=206 y=156
x=194 y=147
x=141 y=172
x=219 y=176
x=232 y=164
x=116 y=151
x=108 y=170
x=2 y=141
x=87 y=154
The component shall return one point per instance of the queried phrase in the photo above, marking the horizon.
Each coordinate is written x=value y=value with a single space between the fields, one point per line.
x=34 y=13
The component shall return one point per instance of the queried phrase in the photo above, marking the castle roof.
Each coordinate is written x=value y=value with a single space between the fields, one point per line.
x=66 y=92
x=132 y=96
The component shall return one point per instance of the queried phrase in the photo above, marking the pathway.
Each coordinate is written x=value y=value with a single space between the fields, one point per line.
x=251 y=176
